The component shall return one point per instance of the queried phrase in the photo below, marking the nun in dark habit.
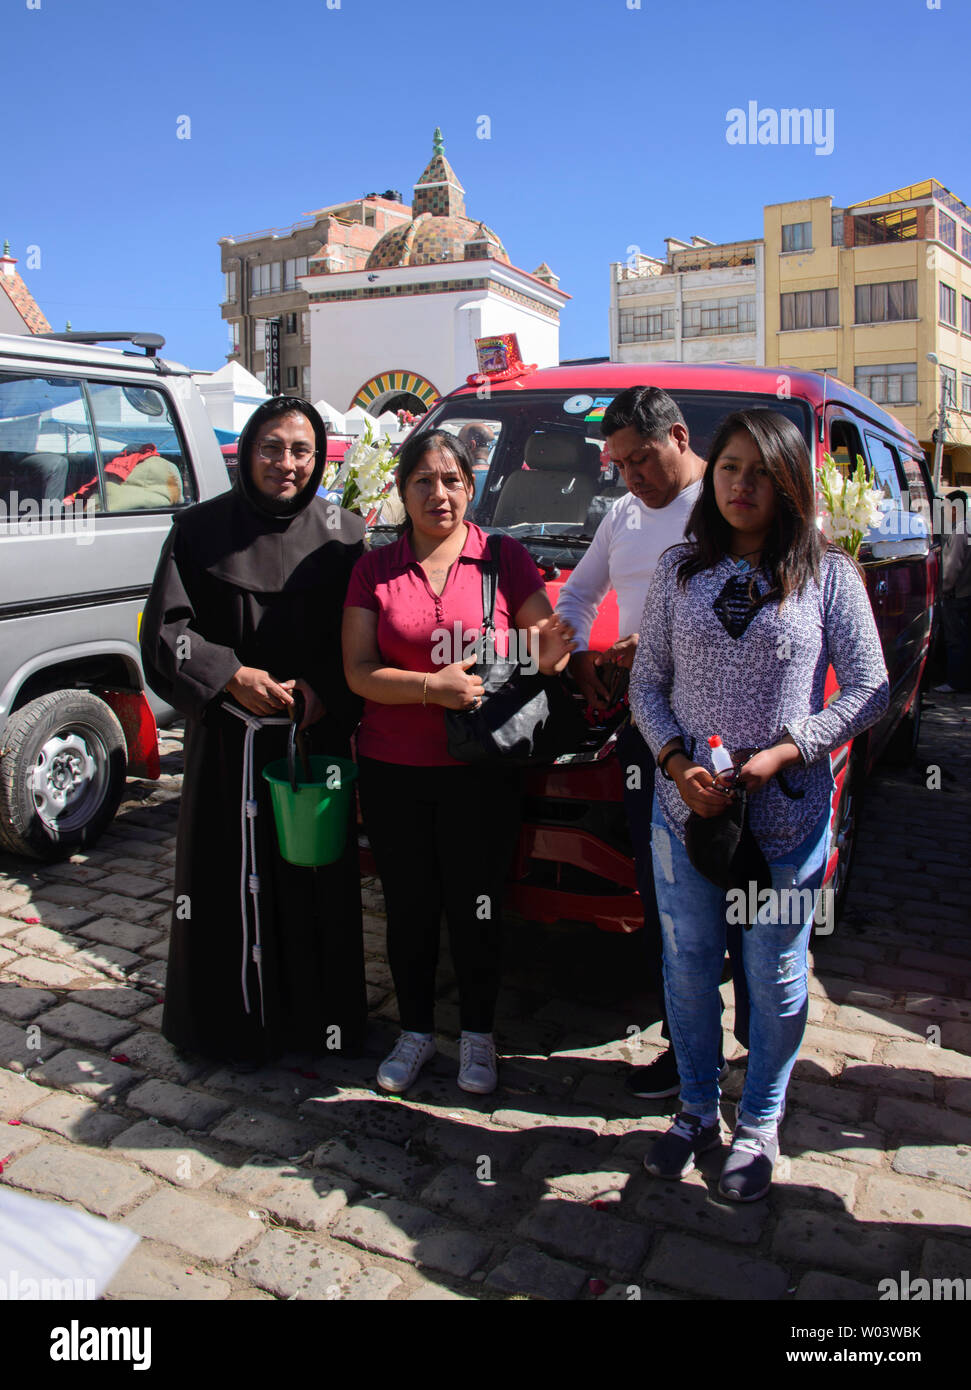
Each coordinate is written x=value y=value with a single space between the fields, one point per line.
x=245 y=609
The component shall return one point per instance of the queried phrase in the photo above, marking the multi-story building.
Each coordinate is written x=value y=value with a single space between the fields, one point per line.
x=703 y=303
x=879 y=294
x=263 y=270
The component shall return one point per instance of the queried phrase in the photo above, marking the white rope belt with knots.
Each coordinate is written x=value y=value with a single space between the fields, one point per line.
x=249 y=878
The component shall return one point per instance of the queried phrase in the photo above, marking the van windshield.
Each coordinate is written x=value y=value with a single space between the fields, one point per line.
x=541 y=464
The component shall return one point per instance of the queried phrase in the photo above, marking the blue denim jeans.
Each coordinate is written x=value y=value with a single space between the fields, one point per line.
x=632 y=752
x=694 y=916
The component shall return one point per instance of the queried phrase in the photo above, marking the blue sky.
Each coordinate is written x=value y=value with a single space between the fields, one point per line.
x=608 y=128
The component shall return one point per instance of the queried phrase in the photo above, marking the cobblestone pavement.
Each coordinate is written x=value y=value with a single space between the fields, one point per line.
x=303 y=1181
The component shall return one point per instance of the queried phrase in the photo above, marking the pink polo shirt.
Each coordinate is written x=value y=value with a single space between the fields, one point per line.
x=416 y=625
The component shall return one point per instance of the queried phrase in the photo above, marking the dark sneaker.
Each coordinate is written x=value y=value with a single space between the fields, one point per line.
x=673 y=1154
x=661 y=1078
x=747 y=1174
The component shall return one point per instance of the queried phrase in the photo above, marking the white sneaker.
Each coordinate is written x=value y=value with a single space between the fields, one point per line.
x=477 y=1063
x=944 y=689
x=405 y=1061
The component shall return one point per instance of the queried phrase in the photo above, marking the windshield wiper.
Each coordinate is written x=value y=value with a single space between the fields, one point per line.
x=552 y=538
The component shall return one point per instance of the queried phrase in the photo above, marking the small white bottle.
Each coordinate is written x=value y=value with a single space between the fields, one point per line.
x=720 y=757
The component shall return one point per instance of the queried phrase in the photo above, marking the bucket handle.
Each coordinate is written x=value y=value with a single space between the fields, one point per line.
x=297 y=741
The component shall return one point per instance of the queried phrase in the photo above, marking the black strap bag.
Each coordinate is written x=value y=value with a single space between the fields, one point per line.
x=725 y=852
x=522 y=718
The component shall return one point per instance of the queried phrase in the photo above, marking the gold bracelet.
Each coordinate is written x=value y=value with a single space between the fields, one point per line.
x=424 y=690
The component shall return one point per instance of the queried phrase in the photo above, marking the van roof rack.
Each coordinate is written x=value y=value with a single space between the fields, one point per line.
x=151 y=342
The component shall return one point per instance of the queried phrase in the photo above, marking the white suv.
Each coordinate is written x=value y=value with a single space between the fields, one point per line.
x=98 y=447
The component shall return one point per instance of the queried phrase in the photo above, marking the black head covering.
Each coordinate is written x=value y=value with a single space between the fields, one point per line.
x=274 y=409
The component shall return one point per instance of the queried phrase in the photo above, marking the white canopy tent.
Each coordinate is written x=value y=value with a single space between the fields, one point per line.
x=230 y=395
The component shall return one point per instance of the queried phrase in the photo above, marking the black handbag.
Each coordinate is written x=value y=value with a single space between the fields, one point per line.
x=725 y=852
x=522 y=718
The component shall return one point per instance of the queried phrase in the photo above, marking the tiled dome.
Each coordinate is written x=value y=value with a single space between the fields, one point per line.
x=439 y=230
x=430 y=240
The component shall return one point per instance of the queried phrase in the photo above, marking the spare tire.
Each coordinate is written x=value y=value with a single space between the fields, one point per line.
x=62 y=772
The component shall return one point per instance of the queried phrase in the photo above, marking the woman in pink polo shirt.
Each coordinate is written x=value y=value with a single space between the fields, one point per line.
x=442 y=832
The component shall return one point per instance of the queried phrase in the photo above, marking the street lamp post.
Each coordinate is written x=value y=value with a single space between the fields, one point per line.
x=941 y=425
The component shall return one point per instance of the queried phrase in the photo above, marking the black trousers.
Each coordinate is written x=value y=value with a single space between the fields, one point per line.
x=633 y=752
x=443 y=839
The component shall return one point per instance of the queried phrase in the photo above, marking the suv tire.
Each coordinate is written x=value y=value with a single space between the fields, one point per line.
x=62 y=773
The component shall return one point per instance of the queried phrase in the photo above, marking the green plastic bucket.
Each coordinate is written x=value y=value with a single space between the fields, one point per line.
x=311 y=822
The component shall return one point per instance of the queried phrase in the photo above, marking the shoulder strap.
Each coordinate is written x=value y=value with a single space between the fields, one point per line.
x=490 y=582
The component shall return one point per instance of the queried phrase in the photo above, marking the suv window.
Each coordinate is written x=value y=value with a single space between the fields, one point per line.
x=884 y=466
x=143 y=462
x=131 y=457
x=918 y=495
x=43 y=426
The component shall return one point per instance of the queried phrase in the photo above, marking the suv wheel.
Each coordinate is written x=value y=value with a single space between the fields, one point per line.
x=62 y=773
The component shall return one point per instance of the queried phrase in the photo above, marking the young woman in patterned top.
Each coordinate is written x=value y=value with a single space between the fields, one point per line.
x=738 y=632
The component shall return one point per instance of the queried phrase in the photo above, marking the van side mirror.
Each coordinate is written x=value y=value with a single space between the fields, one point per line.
x=900 y=534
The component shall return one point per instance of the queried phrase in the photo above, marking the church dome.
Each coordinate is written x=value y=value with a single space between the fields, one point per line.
x=439 y=230
x=429 y=240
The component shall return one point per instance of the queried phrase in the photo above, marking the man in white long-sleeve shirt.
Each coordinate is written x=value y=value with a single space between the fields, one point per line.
x=648 y=441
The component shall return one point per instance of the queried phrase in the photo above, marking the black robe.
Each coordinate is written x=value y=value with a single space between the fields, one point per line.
x=247 y=586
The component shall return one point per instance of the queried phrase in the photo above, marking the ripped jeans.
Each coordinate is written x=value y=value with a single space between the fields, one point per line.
x=693 y=922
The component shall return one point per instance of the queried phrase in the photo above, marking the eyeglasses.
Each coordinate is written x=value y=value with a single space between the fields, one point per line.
x=274 y=452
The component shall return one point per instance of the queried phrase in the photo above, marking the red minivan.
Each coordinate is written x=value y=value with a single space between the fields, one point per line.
x=575 y=857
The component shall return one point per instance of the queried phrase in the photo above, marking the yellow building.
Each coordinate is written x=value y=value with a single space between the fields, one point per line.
x=867 y=292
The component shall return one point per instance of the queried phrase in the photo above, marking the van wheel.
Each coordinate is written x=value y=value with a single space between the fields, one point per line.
x=901 y=747
x=844 y=838
x=62 y=773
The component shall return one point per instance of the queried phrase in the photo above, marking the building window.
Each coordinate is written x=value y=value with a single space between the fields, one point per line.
x=947 y=230
x=305 y=327
x=704 y=318
x=259 y=334
x=810 y=309
x=837 y=229
x=950 y=379
x=895 y=299
x=966 y=243
x=947 y=305
x=265 y=279
x=966 y=392
x=292 y=270
x=369 y=217
x=291 y=378
x=289 y=323
x=305 y=383
x=233 y=327
x=892 y=383
x=229 y=296
x=646 y=326
x=965 y=314
x=797 y=236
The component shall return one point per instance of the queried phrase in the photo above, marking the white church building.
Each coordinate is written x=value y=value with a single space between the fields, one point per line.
x=401 y=332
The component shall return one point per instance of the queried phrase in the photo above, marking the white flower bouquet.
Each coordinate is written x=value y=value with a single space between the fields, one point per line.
x=851 y=505
x=365 y=475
